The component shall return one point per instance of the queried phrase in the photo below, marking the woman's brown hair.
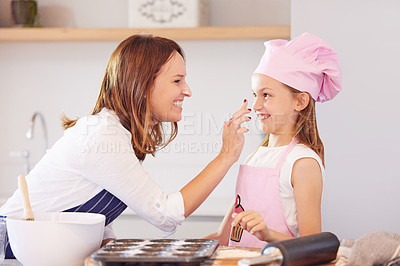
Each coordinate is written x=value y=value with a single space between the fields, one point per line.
x=126 y=90
x=306 y=130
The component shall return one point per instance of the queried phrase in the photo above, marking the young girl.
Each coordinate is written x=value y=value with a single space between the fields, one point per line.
x=279 y=189
x=96 y=165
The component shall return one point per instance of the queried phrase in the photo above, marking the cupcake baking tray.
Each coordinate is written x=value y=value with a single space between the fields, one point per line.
x=155 y=251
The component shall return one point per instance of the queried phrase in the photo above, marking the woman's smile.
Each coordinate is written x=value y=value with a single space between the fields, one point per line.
x=170 y=89
x=178 y=103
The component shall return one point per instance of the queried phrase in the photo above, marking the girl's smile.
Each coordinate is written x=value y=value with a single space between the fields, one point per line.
x=262 y=116
x=274 y=105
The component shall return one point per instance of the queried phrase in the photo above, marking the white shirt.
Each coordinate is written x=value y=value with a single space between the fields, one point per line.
x=268 y=157
x=93 y=155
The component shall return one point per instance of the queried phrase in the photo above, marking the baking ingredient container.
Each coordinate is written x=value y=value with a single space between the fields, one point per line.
x=55 y=238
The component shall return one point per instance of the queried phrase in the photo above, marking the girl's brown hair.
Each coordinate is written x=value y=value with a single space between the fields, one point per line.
x=126 y=90
x=306 y=130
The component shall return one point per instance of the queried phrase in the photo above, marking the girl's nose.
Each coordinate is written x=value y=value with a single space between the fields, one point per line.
x=257 y=104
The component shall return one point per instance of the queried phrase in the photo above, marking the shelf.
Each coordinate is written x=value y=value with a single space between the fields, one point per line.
x=116 y=34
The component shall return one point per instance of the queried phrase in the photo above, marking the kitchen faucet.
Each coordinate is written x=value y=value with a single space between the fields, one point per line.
x=29 y=133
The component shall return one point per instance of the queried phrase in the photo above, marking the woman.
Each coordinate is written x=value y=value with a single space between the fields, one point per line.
x=96 y=165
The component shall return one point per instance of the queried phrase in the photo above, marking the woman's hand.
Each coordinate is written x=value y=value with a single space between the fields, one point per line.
x=197 y=190
x=233 y=134
x=252 y=222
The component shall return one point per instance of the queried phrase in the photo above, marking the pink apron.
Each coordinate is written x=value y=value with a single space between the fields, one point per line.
x=257 y=188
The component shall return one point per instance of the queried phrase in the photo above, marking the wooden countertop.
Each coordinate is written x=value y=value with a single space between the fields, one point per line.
x=223 y=256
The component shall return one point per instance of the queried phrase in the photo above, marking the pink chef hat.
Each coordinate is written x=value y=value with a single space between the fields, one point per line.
x=306 y=63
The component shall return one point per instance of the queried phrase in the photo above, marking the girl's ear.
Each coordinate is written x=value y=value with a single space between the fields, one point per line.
x=303 y=98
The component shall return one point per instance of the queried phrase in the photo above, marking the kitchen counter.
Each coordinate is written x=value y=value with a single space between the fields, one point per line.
x=223 y=256
x=226 y=256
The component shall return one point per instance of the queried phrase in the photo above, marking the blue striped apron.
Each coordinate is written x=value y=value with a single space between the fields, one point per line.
x=104 y=203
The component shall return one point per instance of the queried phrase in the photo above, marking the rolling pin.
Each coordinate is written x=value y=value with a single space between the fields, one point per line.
x=307 y=250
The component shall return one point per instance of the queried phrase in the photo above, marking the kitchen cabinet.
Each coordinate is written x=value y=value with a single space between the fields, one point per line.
x=117 y=34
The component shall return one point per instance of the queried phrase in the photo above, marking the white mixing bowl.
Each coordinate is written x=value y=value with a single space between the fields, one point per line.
x=56 y=238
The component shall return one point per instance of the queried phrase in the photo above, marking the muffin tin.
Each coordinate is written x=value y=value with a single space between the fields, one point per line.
x=155 y=251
